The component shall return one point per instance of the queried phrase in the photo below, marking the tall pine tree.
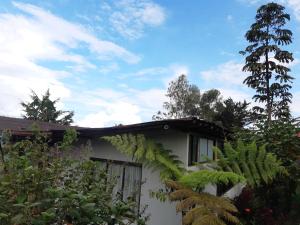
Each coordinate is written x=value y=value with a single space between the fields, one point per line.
x=267 y=62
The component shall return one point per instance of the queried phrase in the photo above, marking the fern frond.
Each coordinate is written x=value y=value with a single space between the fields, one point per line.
x=149 y=153
x=255 y=164
x=199 y=179
x=201 y=206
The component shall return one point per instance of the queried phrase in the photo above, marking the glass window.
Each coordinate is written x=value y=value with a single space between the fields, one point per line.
x=128 y=178
x=200 y=149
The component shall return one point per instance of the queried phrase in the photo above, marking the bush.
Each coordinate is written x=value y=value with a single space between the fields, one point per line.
x=41 y=184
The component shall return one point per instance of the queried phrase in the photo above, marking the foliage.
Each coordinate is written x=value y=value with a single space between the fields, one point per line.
x=41 y=184
x=44 y=109
x=202 y=208
x=233 y=115
x=243 y=163
x=199 y=179
x=266 y=61
x=148 y=152
x=254 y=163
x=186 y=100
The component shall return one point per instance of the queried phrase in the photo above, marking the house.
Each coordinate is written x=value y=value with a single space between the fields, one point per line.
x=190 y=139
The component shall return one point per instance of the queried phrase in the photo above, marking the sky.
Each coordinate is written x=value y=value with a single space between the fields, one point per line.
x=110 y=61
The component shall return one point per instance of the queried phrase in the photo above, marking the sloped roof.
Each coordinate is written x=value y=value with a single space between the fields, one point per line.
x=191 y=125
x=23 y=127
x=19 y=124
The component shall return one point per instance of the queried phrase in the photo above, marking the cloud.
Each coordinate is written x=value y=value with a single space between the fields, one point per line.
x=294 y=5
x=29 y=39
x=229 y=73
x=57 y=30
x=236 y=94
x=130 y=17
x=164 y=74
x=112 y=114
x=108 y=107
x=295 y=103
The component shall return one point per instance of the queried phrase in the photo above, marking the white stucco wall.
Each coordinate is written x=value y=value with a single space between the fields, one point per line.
x=161 y=213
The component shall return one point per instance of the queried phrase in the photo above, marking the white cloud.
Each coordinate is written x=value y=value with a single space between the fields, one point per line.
x=34 y=35
x=108 y=107
x=296 y=103
x=57 y=30
x=165 y=74
x=236 y=94
x=130 y=17
x=227 y=74
x=295 y=6
x=112 y=114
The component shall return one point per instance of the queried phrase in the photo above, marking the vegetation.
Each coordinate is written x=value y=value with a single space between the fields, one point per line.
x=275 y=203
x=201 y=208
x=186 y=100
x=247 y=160
x=43 y=185
x=187 y=187
x=44 y=109
x=266 y=62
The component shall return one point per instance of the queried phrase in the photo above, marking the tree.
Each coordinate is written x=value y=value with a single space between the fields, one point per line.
x=44 y=185
x=183 y=100
x=266 y=62
x=186 y=100
x=44 y=109
x=233 y=115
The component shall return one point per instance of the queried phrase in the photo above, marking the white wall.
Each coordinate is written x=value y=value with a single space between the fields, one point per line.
x=161 y=213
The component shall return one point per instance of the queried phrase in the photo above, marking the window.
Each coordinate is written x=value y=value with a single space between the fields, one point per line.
x=128 y=178
x=200 y=149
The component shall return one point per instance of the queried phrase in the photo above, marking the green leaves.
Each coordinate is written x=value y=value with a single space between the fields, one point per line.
x=44 y=109
x=199 y=179
x=264 y=60
x=41 y=185
x=148 y=152
x=247 y=160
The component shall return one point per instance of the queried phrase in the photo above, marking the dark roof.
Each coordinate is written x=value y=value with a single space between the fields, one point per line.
x=23 y=127
x=186 y=125
x=19 y=125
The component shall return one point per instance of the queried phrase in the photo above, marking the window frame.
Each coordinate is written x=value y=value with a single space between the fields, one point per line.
x=125 y=163
x=198 y=156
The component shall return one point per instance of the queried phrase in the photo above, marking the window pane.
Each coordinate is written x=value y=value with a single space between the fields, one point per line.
x=132 y=183
x=193 y=149
x=210 y=149
x=115 y=173
x=202 y=149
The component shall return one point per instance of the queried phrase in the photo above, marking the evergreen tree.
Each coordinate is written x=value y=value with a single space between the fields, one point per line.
x=44 y=109
x=266 y=62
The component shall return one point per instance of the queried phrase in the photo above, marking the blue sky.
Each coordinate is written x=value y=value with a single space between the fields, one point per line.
x=111 y=60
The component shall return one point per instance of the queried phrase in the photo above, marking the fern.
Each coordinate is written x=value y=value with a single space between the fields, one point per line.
x=255 y=164
x=148 y=152
x=201 y=208
x=199 y=179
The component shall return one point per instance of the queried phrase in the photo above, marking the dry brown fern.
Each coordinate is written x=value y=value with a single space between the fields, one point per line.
x=202 y=208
